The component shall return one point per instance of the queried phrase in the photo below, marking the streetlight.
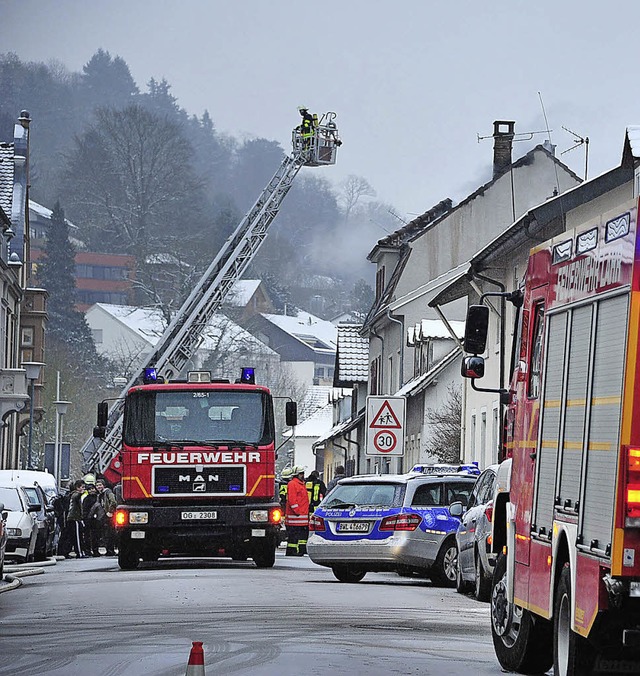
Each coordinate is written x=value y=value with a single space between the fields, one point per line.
x=61 y=409
x=33 y=369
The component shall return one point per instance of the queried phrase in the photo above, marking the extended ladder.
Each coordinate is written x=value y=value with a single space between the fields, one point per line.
x=184 y=334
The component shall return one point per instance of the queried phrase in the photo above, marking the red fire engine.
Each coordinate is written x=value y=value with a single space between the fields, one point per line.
x=566 y=588
x=198 y=461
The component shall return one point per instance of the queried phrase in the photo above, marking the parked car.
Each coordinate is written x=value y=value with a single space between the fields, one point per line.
x=38 y=489
x=21 y=524
x=475 y=561
x=397 y=523
x=3 y=538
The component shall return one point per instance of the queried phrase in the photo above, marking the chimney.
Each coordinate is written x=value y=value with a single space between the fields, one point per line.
x=502 y=143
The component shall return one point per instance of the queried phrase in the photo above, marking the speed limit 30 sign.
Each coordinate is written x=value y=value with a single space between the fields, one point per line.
x=385 y=425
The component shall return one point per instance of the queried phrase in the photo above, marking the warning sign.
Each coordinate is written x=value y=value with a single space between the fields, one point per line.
x=385 y=425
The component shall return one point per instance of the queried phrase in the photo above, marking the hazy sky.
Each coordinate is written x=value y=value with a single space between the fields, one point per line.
x=413 y=81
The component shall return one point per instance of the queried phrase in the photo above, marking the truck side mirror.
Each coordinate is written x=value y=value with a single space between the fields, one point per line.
x=476 y=328
x=472 y=367
x=99 y=430
x=291 y=413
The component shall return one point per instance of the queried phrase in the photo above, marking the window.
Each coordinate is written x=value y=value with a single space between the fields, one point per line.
x=27 y=336
x=483 y=437
x=427 y=495
x=458 y=492
x=533 y=389
x=473 y=435
x=380 y=281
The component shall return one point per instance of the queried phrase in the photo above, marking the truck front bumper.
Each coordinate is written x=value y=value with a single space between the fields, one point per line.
x=199 y=529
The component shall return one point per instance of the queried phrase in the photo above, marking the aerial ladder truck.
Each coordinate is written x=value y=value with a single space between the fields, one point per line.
x=206 y=487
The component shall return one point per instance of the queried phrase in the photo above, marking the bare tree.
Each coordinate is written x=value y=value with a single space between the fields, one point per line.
x=446 y=427
x=353 y=188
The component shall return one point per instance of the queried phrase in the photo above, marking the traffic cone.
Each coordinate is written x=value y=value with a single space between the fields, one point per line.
x=195 y=666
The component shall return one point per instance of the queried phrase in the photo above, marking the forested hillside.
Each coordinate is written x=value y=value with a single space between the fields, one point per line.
x=138 y=173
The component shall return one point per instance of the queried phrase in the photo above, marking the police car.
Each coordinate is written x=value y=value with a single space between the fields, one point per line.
x=392 y=523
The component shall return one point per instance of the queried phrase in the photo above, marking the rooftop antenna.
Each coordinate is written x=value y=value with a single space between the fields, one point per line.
x=579 y=140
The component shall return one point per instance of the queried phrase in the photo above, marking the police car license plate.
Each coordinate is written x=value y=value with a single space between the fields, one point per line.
x=197 y=516
x=353 y=527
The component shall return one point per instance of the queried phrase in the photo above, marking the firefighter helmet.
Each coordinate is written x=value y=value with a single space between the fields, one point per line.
x=298 y=469
x=302 y=108
x=286 y=473
x=89 y=479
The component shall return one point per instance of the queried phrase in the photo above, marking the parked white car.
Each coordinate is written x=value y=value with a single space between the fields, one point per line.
x=21 y=524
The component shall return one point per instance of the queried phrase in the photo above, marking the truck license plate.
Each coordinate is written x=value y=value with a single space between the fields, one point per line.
x=353 y=527
x=198 y=516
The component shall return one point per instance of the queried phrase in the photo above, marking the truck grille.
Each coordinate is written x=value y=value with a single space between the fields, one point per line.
x=214 y=480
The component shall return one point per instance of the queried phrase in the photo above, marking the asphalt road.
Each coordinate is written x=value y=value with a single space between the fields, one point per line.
x=88 y=617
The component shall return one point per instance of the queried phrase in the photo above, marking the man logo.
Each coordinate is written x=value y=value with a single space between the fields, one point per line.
x=200 y=488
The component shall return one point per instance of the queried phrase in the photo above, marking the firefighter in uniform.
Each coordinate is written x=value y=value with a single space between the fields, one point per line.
x=285 y=478
x=307 y=126
x=297 y=514
x=316 y=490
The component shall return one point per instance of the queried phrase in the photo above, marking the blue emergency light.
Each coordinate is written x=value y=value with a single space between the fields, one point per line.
x=150 y=376
x=248 y=376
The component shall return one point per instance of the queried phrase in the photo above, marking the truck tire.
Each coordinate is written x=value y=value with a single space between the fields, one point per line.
x=572 y=654
x=348 y=574
x=522 y=642
x=444 y=571
x=128 y=556
x=482 y=582
x=264 y=558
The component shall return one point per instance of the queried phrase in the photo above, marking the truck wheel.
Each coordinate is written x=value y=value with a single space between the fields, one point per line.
x=462 y=586
x=483 y=583
x=572 y=654
x=348 y=574
x=265 y=558
x=522 y=641
x=128 y=557
x=444 y=571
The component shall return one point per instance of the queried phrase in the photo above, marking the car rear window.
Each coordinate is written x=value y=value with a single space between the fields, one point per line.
x=372 y=494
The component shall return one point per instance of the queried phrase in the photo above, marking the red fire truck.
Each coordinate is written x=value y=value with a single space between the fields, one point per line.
x=198 y=469
x=566 y=588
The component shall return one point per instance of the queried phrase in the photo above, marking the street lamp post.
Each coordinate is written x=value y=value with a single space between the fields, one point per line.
x=61 y=409
x=33 y=369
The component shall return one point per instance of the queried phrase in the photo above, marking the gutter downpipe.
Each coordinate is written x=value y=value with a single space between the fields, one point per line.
x=346 y=452
x=381 y=339
x=396 y=320
x=357 y=445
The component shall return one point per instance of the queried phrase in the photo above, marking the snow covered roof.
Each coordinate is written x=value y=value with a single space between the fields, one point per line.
x=352 y=355
x=6 y=177
x=317 y=424
x=242 y=291
x=149 y=324
x=633 y=134
x=311 y=330
x=435 y=328
x=43 y=212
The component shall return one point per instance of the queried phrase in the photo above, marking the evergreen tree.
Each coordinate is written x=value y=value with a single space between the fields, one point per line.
x=66 y=325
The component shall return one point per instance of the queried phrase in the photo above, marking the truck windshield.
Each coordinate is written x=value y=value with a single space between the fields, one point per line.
x=157 y=417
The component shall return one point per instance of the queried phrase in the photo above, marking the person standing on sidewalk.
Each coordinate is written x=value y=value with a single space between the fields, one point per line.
x=107 y=499
x=74 y=519
x=297 y=514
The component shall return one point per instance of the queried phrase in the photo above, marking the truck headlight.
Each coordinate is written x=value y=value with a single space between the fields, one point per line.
x=259 y=515
x=138 y=517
